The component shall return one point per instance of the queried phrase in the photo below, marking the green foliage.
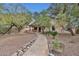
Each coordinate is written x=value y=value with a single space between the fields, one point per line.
x=21 y=20
x=62 y=19
x=64 y=14
x=3 y=28
x=43 y=20
x=75 y=10
x=53 y=33
x=16 y=14
x=5 y=22
x=56 y=44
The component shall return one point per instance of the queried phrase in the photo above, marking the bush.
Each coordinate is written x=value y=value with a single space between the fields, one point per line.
x=53 y=33
x=56 y=44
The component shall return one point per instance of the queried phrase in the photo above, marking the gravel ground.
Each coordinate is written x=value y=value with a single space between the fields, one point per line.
x=10 y=43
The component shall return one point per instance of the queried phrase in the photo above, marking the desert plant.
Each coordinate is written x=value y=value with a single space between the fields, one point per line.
x=53 y=33
x=57 y=46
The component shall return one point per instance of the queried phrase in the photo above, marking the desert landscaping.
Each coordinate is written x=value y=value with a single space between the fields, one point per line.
x=50 y=30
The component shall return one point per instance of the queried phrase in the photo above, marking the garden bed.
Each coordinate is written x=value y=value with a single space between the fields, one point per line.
x=71 y=45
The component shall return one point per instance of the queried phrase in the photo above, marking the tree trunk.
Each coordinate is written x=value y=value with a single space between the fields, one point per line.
x=53 y=37
x=77 y=31
x=43 y=28
x=19 y=28
x=71 y=31
x=53 y=28
x=62 y=28
x=39 y=29
x=9 y=29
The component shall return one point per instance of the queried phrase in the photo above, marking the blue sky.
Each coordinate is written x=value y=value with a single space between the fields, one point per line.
x=36 y=7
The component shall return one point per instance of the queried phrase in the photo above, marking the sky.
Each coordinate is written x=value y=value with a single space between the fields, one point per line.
x=36 y=7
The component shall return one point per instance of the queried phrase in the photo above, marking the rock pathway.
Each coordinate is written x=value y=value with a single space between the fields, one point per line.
x=39 y=48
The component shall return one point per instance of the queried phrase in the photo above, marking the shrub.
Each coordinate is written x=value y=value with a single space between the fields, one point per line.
x=56 y=44
x=53 y=33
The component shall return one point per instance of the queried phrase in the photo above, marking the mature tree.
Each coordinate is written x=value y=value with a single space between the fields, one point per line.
x=62 y=15
x=75 y=14
x=43 y=21
x=15 y=15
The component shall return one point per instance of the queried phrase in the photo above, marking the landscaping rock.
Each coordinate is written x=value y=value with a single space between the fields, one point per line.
x=39 y=48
